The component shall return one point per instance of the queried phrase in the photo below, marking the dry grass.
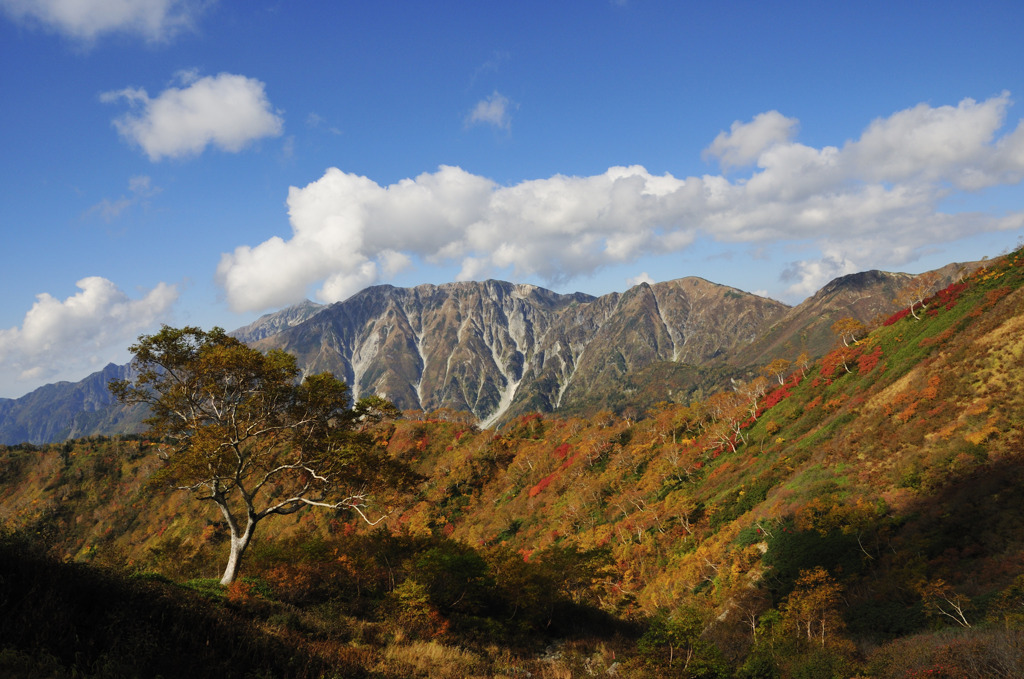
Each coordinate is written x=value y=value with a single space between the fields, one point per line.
x=435 y=660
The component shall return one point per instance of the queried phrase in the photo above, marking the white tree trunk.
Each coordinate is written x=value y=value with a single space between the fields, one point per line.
x=239 y=542
x=238 y=545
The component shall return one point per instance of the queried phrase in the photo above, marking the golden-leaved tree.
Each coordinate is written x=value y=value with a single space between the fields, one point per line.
x=237 y=428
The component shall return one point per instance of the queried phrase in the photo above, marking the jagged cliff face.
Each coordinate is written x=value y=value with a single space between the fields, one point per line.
x=495 y=348
x=593 y=348
x=460 y=345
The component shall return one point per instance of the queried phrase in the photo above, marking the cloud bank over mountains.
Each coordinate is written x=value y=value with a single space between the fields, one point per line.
x=877 y=200
x=81 y=334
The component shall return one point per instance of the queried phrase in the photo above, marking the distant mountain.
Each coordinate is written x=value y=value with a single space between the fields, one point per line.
x=591 y=357
x=458 y=345
x=808 y=326
x=271 y=324
x=63 y=410
x=865 y=296
x=498 y=349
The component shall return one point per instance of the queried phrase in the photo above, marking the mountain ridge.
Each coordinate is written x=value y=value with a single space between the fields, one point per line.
x=471 y=346
x=72 y=409
x=498 y=349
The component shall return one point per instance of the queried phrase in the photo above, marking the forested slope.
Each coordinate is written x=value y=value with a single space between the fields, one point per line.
x=862 y=517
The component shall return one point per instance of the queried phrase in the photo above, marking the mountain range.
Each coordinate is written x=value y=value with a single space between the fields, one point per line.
x=497 y=349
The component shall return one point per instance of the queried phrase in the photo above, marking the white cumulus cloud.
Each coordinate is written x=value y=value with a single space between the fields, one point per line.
x=226 y=110
x=745 y=142
x=951 y=143
x=642 y=277
x=154 y=20
x=67 y=339
x=871 y=202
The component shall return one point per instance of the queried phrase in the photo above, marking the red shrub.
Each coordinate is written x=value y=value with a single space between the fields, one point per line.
x=899 y=315
x=867 y=362
x=542 y=484
x=777 y=396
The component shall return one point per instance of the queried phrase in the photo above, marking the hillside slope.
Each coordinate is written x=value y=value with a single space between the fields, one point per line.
x=877 y=491
x=866 y=296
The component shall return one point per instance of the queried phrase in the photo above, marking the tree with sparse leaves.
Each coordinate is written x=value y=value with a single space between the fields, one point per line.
x=728 y=412
x=916 y=290
x=941 y=600
x=239 y=429
x=778 y=369
x=849 y=330
x=754 y=391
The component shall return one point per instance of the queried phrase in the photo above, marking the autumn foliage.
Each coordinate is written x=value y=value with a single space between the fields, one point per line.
x=858 y=516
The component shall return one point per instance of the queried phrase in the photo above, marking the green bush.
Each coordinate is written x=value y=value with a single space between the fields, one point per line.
x=674 y=643
x=791 y=550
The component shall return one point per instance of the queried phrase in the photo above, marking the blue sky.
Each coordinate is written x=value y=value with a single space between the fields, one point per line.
x=170 y=161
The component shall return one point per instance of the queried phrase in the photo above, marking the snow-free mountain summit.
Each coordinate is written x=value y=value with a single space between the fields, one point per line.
x=495 y=348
